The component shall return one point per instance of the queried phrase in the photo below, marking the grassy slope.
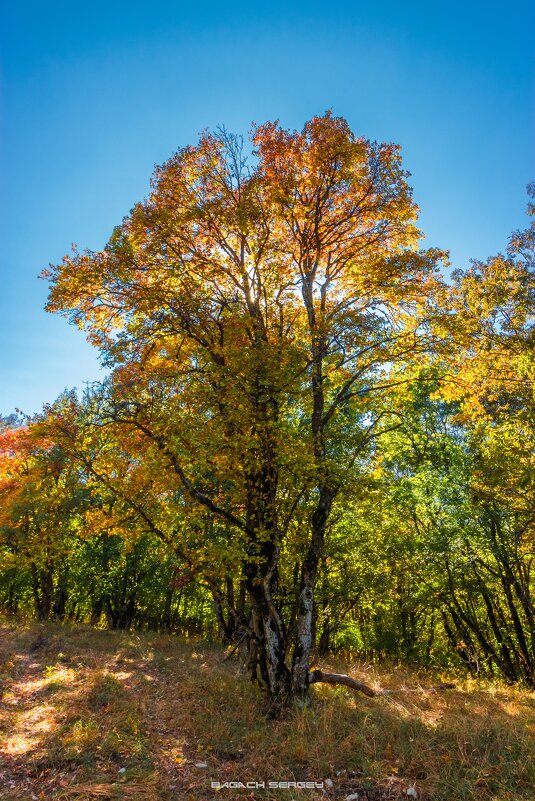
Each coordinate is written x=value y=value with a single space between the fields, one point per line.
x=80 y=705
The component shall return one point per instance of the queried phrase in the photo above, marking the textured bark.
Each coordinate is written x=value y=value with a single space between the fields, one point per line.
x=305 y=605
x=267 y=654
x=341 y=678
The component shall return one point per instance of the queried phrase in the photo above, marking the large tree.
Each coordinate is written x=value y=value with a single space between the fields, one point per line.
x=253 y=315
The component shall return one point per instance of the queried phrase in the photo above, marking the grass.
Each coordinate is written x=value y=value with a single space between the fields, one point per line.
x=88 y=714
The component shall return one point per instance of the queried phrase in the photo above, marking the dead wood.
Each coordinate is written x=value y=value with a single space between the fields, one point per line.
x=319 y=676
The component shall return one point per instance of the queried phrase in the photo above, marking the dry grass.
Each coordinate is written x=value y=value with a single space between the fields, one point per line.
x=88 y=714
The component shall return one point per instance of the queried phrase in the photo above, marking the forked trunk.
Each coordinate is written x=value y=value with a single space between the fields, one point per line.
x=267 y=651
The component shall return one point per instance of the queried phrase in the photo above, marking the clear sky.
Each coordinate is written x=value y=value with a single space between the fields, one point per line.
x=95 y=93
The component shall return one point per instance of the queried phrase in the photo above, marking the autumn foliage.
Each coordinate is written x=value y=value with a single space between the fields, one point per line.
x=309 y=427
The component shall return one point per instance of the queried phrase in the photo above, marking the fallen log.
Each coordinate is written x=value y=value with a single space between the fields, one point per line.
x=316 y=676
x=320 y=676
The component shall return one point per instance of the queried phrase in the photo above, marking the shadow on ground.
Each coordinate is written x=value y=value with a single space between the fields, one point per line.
x=88 y=714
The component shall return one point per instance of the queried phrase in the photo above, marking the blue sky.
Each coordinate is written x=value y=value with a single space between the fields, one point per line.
x=94 y=94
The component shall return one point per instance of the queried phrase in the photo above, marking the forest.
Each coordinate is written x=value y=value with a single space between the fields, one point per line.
x=313 y=440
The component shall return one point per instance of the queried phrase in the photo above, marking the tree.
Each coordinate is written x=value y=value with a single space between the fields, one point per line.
x=41 y=502
x=252 y=316
x=490 y=319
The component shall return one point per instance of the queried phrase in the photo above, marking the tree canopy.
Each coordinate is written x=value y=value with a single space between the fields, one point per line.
x=307 y=433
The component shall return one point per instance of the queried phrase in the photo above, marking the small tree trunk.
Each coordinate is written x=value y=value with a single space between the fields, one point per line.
x=223 y=628
x=61 y=594
x=43 y=588
x=305 y=604
x=324 y=644
x=96 y=610
x=240 y=611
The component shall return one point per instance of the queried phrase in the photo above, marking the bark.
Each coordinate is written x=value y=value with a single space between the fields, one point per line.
x=505 y=661
x=317 y=676
x=526 y=660
x=305 y=603
x=326 y=491
x=341 y=678
x=268 y=647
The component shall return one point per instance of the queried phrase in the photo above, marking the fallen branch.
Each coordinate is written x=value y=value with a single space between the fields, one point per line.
x=317 y=676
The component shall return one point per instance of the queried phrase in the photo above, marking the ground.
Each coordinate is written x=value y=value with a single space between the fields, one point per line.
x=88 y=714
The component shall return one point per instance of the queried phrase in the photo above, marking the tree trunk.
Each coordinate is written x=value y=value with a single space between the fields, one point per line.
x=61 y=594
x=305 y=604
x=43 y=588
x=268 y=648
x=224 y=629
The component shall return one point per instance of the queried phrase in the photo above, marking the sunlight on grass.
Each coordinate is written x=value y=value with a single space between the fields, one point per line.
x=28 y=727
x=154 y=707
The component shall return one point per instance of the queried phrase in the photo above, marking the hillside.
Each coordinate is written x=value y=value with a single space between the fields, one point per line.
x=87 y=714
